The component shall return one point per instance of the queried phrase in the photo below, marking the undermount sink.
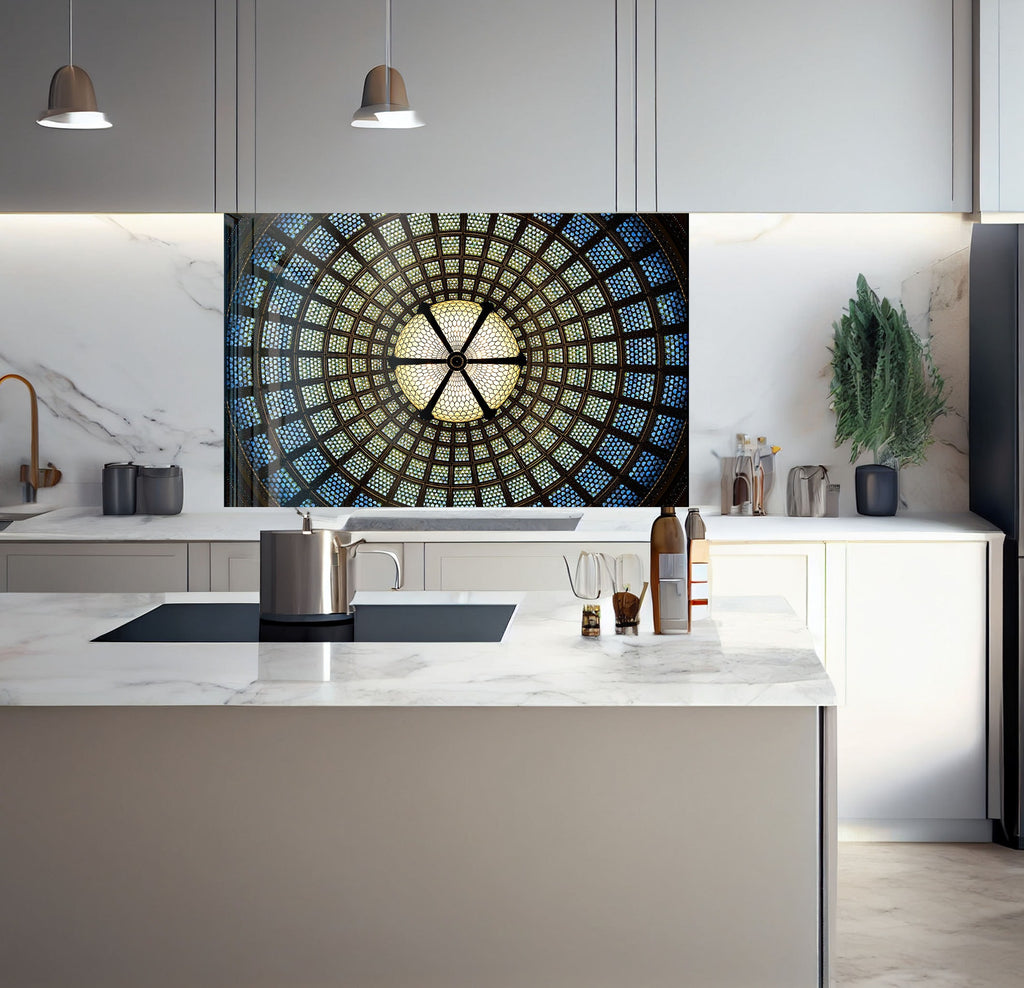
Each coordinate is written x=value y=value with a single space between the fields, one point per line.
x=461 y=520
x=18 y=512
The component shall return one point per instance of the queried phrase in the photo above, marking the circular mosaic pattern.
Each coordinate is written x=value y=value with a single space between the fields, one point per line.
x=456 y=361
x=330 y=368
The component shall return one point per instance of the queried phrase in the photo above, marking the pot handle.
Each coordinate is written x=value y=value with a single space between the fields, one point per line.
x=342 y=547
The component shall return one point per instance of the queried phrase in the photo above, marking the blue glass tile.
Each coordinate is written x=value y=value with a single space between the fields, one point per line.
x=311 y=464
x=321 y=243
x=240 y=330
x=672 y=307
x=580 y=229
x=299 y=270
x=640 y=350
x=284 y=301
x=267 y=254
x=260 y=453
x=657 y=269
x=623 y=284
x=249 y=291
x=666 y=431
x=633 y=231
x=604 y=254
x=347 y=223
x=292 y=223
x=282 y=486
x=647 y=469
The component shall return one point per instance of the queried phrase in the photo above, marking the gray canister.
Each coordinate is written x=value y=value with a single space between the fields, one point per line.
x=119 y=480
x=159 y=491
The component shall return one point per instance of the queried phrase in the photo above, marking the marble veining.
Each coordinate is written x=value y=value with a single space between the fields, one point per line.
x=749 y=654
x=118 y=322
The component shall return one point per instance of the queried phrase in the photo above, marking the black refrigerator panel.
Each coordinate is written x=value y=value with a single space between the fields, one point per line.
x=994 y=404
x=1006 y=720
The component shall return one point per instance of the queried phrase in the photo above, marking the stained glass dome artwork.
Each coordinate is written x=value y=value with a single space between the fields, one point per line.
x=479 y=359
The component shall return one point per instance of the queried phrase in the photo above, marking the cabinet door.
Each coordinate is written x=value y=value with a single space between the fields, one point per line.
x=1009 y=91
x=512 y=565
x=235 y=566
x=911 y=735
x=518 y=100
x=103 y=567
x=800 y=105
x=153 y=69
x=795 y=572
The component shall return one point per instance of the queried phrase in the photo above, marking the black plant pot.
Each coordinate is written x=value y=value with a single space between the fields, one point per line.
x=878 y=489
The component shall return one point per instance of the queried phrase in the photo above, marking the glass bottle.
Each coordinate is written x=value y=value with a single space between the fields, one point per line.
x=743 y=477
x=668 y=573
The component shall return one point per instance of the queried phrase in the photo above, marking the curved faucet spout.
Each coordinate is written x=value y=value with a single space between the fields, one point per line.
x=30 y=478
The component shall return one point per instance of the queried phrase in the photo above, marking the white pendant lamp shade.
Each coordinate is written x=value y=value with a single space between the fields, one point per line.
x=72 y=103
x=385 y=105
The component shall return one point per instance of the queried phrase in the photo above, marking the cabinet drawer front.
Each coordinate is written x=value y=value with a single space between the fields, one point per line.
x=97 y=568
x=513 y=566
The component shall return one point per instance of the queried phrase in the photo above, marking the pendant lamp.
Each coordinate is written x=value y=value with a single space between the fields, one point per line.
x=72 y=103
x=385 y=103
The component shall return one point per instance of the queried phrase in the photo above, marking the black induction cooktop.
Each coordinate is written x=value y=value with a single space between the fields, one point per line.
x=234 y=622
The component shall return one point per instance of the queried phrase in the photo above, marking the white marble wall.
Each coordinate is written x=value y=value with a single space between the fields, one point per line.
x=764 y=292
x=117 y=320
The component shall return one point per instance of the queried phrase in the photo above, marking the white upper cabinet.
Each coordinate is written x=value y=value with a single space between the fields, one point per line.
x=519 y=101
x=805 y=106
x=153 y=69
x=1000 y=106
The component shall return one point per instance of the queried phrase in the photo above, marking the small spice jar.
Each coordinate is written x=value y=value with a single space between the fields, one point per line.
x=591 y=626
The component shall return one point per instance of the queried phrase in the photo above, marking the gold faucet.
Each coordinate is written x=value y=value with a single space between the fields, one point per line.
x=31 y=477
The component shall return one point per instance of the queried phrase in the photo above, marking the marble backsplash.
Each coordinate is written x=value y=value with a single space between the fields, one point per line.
x=118 y=321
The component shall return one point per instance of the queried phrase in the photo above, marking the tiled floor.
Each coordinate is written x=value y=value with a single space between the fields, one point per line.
x=941 y=915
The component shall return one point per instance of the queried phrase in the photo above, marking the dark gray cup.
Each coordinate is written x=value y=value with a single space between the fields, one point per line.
x=160 y=491
x=119 y=480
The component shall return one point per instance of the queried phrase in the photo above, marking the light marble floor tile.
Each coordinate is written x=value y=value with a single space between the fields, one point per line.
x=942 y=915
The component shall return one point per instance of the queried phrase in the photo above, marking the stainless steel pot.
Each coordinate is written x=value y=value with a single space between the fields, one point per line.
x=305 y=573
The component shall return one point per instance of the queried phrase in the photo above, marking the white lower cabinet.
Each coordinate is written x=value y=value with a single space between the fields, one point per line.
x=794 y=571
x=912 y=732
x=512 y=565
x=94 y=567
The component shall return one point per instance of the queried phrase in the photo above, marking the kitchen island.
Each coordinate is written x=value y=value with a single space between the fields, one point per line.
x=541 y=810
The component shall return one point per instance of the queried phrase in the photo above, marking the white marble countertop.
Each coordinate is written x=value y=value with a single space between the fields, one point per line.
x=752 y=652
x=595 y=525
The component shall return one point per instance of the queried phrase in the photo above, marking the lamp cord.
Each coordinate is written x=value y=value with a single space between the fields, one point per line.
x=387 y=52
x=71 y=32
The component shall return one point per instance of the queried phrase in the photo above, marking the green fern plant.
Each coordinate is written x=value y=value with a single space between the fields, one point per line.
x=886 y=391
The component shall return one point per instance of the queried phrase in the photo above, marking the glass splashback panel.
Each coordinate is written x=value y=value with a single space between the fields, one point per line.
x=456 y=359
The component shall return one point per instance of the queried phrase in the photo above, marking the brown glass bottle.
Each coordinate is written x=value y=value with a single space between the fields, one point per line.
x=668 y=572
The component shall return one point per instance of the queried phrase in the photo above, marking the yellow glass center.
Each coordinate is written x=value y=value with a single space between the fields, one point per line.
x=455 y=363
